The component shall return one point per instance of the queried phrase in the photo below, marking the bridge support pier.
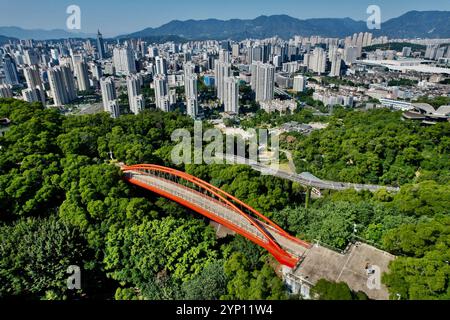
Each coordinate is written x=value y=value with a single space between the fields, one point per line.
x=308 y=197
x=297 y=285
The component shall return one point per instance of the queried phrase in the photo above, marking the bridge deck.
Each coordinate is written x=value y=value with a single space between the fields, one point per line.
x=217 y=208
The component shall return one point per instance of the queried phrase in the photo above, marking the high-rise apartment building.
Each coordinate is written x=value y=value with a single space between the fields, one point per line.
x=100 y=46
x=162 y=93
x=34 y=83
x=135 y=99
x=81 y=72
x=62 y=85
x=109 y=97
x=10 y=69
x=222 y=70
x=299 y=83
x=263 y=81
x=336 y=63
x=31 y=95
x=190 y=83
x=231 y=95
x=350 y=54
x=124 y=62
x=161 y=65
x=235 y=50
x=6 y=91
x=318 y=60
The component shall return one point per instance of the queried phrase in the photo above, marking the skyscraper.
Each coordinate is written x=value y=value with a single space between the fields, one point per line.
x=34 y=83
x=336 y=62
x=192 y=107
x=31 y=57
x=69 y=82
x=96 y=70
x=31 y=95
x=231 y=95
x=6 y=91
x=222 y=70
x=264 y=82
x=318 y=60
x=114 y=108
x=235 y=50
x=190 y=87
x=124 y=62
x=161 y=93
x=135 y=99
x=350 y=54
x=62 y=85
x=190 y=84
x=172 y=96
x=224 y=56
x=161 y=65
x=299 y=83
x=254 y=73
x=109 y=97
x=100 y=46
x=10 y=70
x=81 y=72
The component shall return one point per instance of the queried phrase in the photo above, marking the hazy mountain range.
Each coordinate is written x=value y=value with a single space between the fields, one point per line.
x=41 y=34
x=4 y=39
x=413 y=24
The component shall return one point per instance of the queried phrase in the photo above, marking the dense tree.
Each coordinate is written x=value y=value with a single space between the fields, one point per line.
x=374 y=147
x=138 y=252
x=326 y=290
x=210 y=284
x=62 y=201
x=424 y=273
x=248 y=284
x=35 y=255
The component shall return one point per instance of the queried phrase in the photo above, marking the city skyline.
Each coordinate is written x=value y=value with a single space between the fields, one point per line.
x=99 y=15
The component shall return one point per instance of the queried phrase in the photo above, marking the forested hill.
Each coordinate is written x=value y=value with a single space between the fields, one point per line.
x=62 y=203
x=413 y=24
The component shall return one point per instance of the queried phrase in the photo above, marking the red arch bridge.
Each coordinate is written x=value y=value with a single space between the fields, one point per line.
x=219 y=206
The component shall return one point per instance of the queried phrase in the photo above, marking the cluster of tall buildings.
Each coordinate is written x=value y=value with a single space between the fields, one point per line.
x=62 y=85
x=226 y=84
x=53 y=73
x=59 y=73
x=436 y=52
x=362 y=39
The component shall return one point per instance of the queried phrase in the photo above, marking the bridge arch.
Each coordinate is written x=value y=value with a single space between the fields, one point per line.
x=218 y=205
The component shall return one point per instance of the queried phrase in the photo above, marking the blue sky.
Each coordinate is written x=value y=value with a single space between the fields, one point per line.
x=122 y=16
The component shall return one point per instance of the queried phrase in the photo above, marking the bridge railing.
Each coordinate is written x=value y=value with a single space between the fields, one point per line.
x=217 y=208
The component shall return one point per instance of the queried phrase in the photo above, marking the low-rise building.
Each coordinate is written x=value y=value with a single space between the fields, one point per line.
x=281 y=106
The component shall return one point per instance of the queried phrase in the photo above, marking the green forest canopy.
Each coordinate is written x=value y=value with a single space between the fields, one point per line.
x=64 y=204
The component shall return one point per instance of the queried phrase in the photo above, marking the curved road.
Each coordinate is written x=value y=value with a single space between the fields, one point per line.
x=306 y=178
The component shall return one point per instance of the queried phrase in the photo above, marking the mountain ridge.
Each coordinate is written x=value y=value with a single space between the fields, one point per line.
x=41 y=34
x=413 y=24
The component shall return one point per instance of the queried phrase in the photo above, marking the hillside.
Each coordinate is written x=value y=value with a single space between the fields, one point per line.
x=413 y=24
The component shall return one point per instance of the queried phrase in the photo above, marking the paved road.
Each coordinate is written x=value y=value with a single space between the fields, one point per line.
x=307 y=179
x=290 y=158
